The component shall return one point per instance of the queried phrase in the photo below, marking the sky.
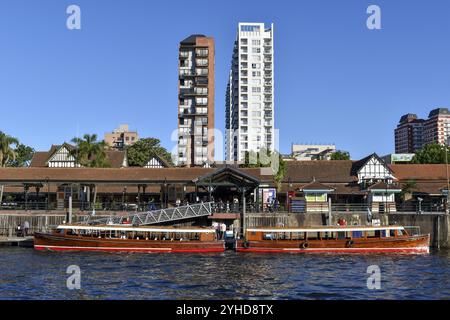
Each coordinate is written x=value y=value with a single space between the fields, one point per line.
x=336 y=81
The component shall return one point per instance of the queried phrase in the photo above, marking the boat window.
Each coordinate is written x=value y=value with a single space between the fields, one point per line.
x=370 y=233
x=377 y=233
x=313 y=235
x=400 y=232
x=327 y=235
x=392 y=233
x=341 y=234
x=267 y=236
x=357 y=234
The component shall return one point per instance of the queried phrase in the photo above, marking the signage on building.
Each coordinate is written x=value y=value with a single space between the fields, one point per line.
x=402 y=157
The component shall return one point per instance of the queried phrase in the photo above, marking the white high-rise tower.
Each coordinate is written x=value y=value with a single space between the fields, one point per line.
x=250 y=95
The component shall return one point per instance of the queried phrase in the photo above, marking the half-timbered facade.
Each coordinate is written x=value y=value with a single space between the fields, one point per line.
x=62 y=157
x=157 y=162
x=373 y=169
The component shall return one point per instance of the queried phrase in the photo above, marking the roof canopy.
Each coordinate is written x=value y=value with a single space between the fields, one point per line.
x=228 y=176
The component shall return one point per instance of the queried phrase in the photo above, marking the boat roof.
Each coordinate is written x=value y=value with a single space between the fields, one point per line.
x=121 y=227
x=325 y=229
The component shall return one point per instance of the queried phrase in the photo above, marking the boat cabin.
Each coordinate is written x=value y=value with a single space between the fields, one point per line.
x=324 y=233
x=138 y=233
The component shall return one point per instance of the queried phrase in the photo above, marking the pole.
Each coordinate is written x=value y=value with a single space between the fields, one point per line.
x=70 y=209
x=329 y=211
x=243 y=212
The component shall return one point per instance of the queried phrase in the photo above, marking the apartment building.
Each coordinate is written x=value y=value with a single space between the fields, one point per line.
x=408 y=134
x=121 y=137
x=413 y=133
x=437 y=127
x=250 y=93
x=196 y=101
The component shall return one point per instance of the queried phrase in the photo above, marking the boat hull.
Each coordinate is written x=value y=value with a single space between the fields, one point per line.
x=51 y=242
x=407 y=244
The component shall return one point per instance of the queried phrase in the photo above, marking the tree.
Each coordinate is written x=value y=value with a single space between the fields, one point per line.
x=24 y=154
x=264 y=159
x=431 y=153
x=89 y=152
x=142 y=150
x=340 y=155
x=407 y=189
x=7 y=153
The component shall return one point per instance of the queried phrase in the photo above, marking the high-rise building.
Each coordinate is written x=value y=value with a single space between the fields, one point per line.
x=196 y=101
x=408 y=134
x=250 y=93
x=121 y=137
x=412 y=133
x=437 y=127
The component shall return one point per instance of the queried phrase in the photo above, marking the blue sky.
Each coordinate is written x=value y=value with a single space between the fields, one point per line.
x=336 y=81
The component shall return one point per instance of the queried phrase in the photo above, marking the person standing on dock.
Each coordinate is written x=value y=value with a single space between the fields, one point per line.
x=26 y=226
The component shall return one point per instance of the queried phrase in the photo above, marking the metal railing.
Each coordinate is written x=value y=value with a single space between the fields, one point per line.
x=157 y=216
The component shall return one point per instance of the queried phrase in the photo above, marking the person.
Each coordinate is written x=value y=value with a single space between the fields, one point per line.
x=151 y=205
x=178 y=202
x=223 y=229
x=19 y=230
x=26 y=226
x=216 y=228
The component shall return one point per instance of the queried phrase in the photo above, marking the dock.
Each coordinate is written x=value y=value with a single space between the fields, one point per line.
x=26 y=242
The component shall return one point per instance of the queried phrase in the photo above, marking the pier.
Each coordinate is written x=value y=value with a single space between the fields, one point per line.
x=26 y=242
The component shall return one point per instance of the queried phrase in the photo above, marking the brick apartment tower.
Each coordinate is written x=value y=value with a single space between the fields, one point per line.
x=196 y=101
x=408 y=134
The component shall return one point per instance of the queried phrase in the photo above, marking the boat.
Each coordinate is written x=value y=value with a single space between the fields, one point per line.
x=333 y=239
x=128 y=238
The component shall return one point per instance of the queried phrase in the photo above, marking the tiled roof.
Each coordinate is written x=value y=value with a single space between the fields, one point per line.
x=109 y=175
x=420 y=171
x=40 y=158
x=315 y=185
x=339 y=171
x=383 y=186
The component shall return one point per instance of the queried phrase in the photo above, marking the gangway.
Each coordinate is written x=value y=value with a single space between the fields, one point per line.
x=157 y=216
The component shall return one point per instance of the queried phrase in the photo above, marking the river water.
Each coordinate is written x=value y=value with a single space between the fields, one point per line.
x=29 y=274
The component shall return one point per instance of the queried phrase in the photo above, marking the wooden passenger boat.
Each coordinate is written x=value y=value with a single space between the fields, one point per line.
x=339 y=239
x=123 y=238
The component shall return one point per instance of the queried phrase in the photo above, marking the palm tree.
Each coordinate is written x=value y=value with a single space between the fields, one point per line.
x=89 y=152
x=407 y=189
x=7 y=153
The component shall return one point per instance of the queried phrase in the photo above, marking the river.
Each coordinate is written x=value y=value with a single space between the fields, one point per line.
x=29 y=274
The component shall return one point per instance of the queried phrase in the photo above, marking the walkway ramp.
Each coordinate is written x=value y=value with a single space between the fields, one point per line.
x=157 y=216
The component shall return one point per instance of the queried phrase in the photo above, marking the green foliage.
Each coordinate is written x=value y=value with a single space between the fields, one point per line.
x=7 y=151
x=89 y=152
x=264 y=159
x=431 y=153
x=407 y=189
x=141 y=151
x=340 y=155
x=24 y=154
